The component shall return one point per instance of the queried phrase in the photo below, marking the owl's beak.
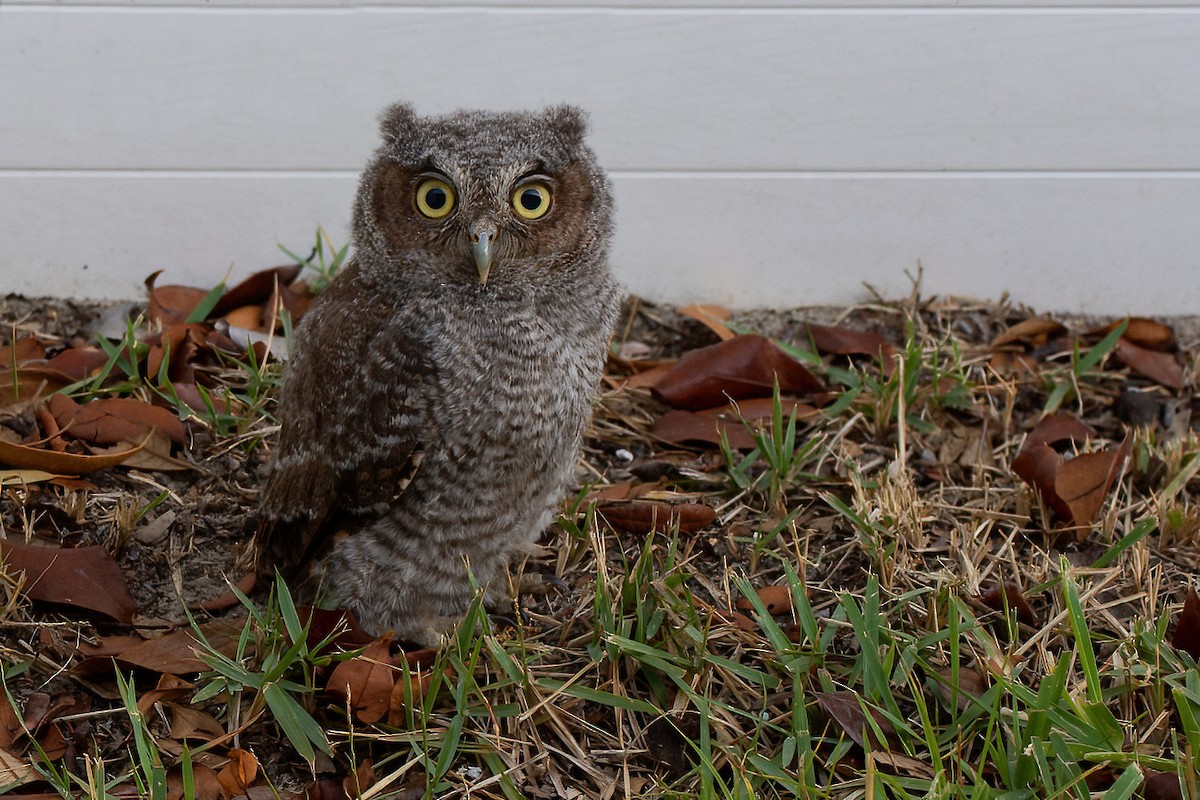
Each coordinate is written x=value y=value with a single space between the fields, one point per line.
x=482 y=244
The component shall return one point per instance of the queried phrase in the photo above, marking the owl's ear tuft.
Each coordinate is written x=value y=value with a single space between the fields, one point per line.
x=569 y=122
x=396 y=121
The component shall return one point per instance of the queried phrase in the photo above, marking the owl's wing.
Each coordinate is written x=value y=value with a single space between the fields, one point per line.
x=354 y=422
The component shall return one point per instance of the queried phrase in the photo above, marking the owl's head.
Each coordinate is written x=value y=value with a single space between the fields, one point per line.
x=479 y=197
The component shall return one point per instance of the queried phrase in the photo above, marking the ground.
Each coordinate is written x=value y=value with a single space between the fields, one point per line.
x=959 y=569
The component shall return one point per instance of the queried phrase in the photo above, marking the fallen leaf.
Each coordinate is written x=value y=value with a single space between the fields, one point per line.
x=1187 y=629
x=15 y=771
x=27 y=348
x=82 y=577
x=52 y=461
x=10 y=724
x=30 y=384
x=1009 y=595
x=643 y=516
x=1146 y=333
x=846 y=709
x=360 y=780
x=1055 y=428
x=413 y=685
x=840 y=341
x=323 y=623
x=971 y=685
x=1083 y=482
x=256 y=290
x=711 y=317
x=115 y=419
x=192 y=723
x=365 y=681
x=1162 y=368
x=743 y=367
x=776 y=599
x=174 y=653
x=1161 y=786
x=170 y=687
x=171 y=304
x=1033 y=332
x=706 y=426
x=77 y=363
x=205 y=784
x=239 y=773
x=180 y=343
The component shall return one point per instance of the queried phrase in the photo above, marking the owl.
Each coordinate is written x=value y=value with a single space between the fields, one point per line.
x=438 y=389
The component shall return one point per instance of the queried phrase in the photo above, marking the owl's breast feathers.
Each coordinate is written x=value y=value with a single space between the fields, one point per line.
x=491 y=391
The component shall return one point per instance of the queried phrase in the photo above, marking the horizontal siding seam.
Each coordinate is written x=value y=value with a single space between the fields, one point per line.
x=625 y=174
x=595 y=10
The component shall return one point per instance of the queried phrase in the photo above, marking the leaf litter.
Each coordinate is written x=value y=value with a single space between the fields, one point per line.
x=943 y=473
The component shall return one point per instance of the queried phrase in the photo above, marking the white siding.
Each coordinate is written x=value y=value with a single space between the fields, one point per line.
x=776 y=154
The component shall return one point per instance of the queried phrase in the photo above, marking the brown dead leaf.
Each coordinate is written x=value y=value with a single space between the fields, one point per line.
x=26 y=348
x=115 y=419
x=1055 y=428
x=1187 y=628
x=256 y=290
x=1083 y=482
x=57 y=463
x=1145 y=333
x=173 y=653
x=1033 y=333
x=171 y=304
x=10 y=724
x=1160 y=367
x=15 y=771
x=248 y=317
x=30 y=384
x=77 y=363
x=646 y=378
x=360 y=780
x=743 y=367
x=643 y=516
x=180 y=343
x=365 y=681
x=1075 y=489
x=323 y=623
x=170 y=687
x=239 y=774
x=711 y=317
x=971 y=685
x=846 y=709
x=414 y=685
x=691 y=427
x=82 y=577
x=776 y=599
x=192 y=723
x=205 y=784
x=840 y=341
x=997 y=597
x=53 y=743
x=1161 y=785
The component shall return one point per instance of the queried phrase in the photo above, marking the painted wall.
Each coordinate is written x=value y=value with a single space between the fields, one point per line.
x=773 y=154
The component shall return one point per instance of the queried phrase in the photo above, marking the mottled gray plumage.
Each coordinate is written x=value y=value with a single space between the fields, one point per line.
x=438 y=389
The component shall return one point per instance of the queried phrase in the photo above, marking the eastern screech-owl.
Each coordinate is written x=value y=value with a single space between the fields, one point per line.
x=438 y=389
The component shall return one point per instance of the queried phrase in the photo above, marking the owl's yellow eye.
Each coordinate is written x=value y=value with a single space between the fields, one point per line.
x=531 y=200
x=435 y=198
